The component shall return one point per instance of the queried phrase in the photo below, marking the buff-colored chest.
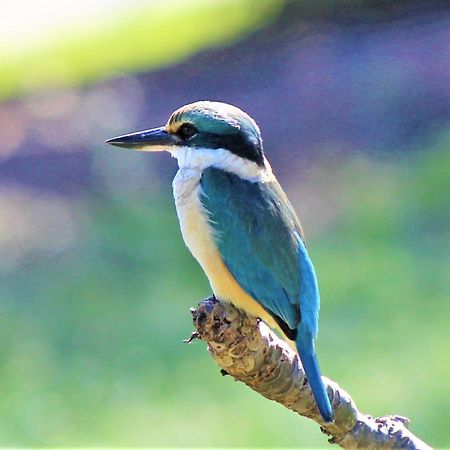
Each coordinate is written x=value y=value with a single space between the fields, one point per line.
x=198 y=237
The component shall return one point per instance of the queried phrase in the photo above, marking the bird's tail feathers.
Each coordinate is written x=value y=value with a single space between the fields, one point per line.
x=305 y=347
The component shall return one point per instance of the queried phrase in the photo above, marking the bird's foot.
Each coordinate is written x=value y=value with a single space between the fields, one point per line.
x=193 y=336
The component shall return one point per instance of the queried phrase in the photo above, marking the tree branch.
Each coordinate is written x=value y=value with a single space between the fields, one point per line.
x=248 y=350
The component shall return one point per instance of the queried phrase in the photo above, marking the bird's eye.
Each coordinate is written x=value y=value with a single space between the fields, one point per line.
x=186 y=131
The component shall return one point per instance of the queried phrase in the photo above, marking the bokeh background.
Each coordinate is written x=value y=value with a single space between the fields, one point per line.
x=353 y=100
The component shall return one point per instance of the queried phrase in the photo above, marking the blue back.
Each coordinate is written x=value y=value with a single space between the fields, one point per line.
x=260 y=240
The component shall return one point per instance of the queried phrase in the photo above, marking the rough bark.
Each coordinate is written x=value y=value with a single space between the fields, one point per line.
x=249 y=351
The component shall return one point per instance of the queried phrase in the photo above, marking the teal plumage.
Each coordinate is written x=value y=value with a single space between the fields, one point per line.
x=260 y=241
x=238 y=223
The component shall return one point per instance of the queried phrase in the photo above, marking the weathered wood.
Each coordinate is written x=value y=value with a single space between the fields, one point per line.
x=245 y=348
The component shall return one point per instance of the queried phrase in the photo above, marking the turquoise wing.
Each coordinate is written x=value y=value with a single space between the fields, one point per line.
x=260 y=240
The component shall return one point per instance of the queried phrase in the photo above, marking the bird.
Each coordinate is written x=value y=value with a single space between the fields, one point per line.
x=239 y=225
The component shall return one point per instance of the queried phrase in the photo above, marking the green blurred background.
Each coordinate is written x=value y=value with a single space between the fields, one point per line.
x=353 y=101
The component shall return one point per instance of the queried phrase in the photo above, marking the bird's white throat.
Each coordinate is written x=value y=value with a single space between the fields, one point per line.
x=202 y=158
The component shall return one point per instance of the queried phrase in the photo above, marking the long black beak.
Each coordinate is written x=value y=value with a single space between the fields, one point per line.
x=156 y=139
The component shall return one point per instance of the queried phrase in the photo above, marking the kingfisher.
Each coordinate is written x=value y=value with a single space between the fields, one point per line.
x=239 y=225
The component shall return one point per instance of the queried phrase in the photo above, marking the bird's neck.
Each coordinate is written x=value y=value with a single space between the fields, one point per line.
x=199 y=159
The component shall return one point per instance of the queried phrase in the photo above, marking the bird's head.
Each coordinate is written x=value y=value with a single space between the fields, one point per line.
x=203 y=134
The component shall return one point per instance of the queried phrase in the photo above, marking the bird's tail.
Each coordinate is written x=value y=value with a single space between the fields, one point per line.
x=305 y=347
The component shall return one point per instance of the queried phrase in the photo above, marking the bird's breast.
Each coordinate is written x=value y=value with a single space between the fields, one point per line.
x=198 y=236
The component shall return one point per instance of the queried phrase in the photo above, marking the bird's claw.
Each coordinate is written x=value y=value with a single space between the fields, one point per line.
x=194 y=335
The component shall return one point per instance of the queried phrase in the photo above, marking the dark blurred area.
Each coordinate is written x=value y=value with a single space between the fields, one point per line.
x=352 y=98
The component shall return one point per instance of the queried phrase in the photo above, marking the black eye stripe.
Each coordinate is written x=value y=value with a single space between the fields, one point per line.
x=187 y=130
x=236 y=144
